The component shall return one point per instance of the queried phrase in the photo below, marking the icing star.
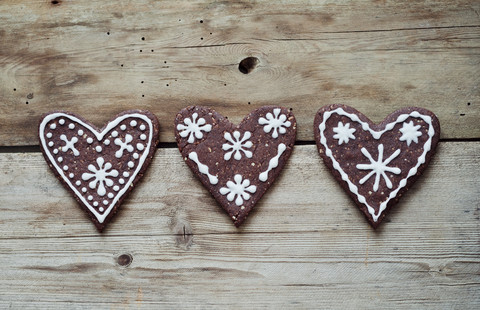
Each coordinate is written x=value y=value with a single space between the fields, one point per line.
x=343 y=133
x=410 y=133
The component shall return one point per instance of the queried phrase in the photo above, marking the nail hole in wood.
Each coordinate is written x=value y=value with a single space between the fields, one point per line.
x=141 y=82
x=143 y=96
x=26 y=102
x=248 y=64
x=124 y=260
x=143 y=38
x=167 y=84
x=141 y=51
x=468 y=103
x=201 y=21
x=55 y=2
x=14 y=89
x=249 y=102
x=108 y=33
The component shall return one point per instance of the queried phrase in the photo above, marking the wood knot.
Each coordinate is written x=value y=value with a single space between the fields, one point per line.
x=55 y=2
x=124 y=260
x=248 y=64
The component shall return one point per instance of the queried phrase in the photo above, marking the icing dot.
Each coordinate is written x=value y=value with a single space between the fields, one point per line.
x=131 y=164
x=84 y=189
x=95 y=204
x=80 y=132
x=65 y=167
x=55 y=151
x=78 y=183
x=53 y=126
x=110 y=195
x=49 y=135
x=105 y=202
x=126 y=174
x=133 y=123
x=143 y=136
x=98 y=148
x=114 y=134
x=61 y=122
x=140 y=146
x=89 y=140
x=142 y=127
x=50 y=144
x=121 y=181
x=116 y=188
x=71 y=175
x=101 y=209
x=123 y=127
x=135 y=155
x=71 y=126
x=90 y=197
x=60 y=159
x=106 y=142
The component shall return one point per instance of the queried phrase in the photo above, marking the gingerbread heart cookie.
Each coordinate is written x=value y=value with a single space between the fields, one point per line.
x=237 y=164
x=376 y=163
x=99 y=166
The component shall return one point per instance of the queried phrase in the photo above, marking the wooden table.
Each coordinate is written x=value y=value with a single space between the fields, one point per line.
x=306 y=245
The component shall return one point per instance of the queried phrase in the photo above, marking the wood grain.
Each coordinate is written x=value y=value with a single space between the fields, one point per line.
x=97 y=59
x=305 y=246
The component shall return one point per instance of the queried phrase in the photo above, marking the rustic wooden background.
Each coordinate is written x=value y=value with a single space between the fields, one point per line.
x=306 y=245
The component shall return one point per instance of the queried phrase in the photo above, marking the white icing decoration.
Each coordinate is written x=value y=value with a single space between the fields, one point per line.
x=376 y=135
x=100 y=176
x=273 y=163
x=203 y=168
x=65 y=167
x=192 y=128
x=123 y=127
x=378 y=167
x=343 y=133
x=84 y=189
x=135 y=155
x=106 y=142
x=143 y=136
x=90 y=197
x=78 y=183
x=116 y=188
x=80 y=132
x=131 y=164
x=237 y=145
x=50 y=144
x=60 y=159
x=95 y=203
x=71 y=126
x=123 y=145
x=410 y=133
x=140 y=147
x=70 y=145
x=121 y=181
x=110 y=195
x=133 y=123
x=99 y=136
x=114 y=133
x=71 y=175
x=53 y=126
x=89 y=140
x=98 y=148
x=126 y=174
x=61 y=122
x=101 y=209
x=49 y=135
x=275 y=121
x=238 y=189
x=105 y=202
x=142 y=127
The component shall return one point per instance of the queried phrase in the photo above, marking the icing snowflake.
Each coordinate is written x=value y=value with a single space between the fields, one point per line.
x=70 y=145
x=193 y=128
x=275 y=121
x=100 y=176
x=238 y=189
x=343 y=133
x=237 y=145
x=123 y=145
x=410 y=133
x=378 y=167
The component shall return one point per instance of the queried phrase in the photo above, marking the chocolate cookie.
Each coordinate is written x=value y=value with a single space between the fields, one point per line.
x=376 y=163
x=237 y=164
x=100 y=167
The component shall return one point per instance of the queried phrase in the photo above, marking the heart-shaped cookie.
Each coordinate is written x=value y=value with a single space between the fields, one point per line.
x=100 y=167
x=376 y=163
x=237 y=164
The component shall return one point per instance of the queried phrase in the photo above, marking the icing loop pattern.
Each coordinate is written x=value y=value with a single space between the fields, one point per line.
x=240 y=189
x=237 y=146
x=343 y=133
x=276 y=121
x=192 y=128
x=100 y=176
x=378 y=167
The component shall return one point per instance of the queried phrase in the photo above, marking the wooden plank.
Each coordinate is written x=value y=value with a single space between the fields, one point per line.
x=306 y=246
x=99 y=59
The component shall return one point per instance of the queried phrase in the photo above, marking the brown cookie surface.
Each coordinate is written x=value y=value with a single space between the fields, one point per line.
x=376 y=163
x=99 y=166
x=237 y=164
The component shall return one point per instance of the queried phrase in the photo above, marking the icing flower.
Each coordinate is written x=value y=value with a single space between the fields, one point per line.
x=343 y=133
x=193 y=128
x=237 y=145
x=100 y=176
x=410 y=133
x=238 y=189
x=276 y=122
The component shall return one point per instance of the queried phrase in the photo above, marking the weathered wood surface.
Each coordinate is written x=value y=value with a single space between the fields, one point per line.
x=305 y=246
x=98 y=59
